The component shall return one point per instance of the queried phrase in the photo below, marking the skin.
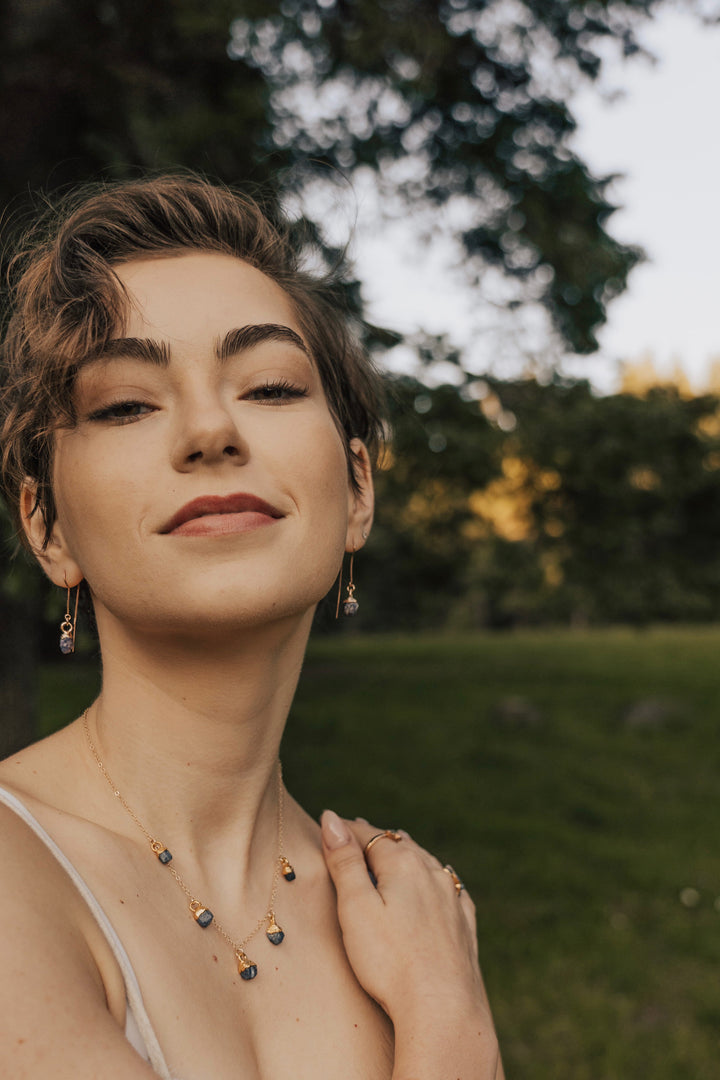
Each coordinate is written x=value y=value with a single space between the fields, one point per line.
x=203 y=632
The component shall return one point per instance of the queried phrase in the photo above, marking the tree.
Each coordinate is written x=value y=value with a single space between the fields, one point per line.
x=443 y=448
x=463 y=100
x=622 y=497
x=516 y=502
x=20 y=630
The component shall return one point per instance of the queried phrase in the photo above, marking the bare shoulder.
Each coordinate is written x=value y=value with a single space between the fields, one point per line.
x=41 y=769
x=55 y=1016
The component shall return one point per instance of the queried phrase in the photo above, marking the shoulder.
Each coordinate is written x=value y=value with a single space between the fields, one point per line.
x=40 y=767
x=60 y=986
x=47 y=903
x=40 y=829
x=48 y=910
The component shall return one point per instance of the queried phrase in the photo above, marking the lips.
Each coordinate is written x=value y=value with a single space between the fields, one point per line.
x=208 y=505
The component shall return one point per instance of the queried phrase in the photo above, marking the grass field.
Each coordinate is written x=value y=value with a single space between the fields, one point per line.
x=574 y=781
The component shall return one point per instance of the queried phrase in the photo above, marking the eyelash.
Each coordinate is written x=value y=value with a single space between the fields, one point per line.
x=290 y=390
x=109 y=412
x=271 y=390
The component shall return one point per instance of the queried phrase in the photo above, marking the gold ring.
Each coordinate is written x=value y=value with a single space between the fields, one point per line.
x=455 y=879
x=389 y=834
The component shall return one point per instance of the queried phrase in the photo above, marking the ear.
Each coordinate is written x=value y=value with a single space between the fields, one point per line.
x=53 y=557
x=361 y=504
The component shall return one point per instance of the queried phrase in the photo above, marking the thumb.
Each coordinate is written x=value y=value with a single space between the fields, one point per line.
x=344 y=858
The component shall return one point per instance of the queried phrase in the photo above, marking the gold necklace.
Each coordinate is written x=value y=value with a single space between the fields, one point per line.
x=202 y=915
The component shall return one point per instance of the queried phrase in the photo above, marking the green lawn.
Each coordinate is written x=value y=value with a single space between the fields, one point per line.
x=576 y=819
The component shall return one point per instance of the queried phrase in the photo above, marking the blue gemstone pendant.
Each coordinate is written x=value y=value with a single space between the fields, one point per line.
x=202 y=916
x=273 y=933
x=287 y=871
x=162 y=852
x=246 y=969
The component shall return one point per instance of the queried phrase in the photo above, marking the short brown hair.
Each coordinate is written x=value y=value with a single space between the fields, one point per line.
x=64 y=302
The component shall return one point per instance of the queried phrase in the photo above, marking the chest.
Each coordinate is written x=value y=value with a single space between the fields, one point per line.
x=303 y=1017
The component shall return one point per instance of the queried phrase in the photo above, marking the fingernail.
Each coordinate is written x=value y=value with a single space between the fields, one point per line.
x=335 y=831
x=362 y=820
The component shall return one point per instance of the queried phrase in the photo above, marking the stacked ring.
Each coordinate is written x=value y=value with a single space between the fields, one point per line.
x=386 y=834
x=455 y=879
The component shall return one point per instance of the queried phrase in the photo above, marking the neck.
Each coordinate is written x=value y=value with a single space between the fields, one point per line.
x=190 y=734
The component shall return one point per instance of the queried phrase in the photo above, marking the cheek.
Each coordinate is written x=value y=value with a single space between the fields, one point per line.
x=93 y=496
x=70 y=480
x=318 y=465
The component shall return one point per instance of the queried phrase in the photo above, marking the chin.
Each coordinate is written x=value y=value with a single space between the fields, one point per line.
x=219 y=602
x=193 y=620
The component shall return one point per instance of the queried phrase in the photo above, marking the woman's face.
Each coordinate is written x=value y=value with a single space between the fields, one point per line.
x=205 y=485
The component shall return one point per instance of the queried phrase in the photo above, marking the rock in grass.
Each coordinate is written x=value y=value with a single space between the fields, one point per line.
x=653 y=714
x=516 y=712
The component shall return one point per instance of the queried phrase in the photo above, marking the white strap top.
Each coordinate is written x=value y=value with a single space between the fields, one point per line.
x=138 y=1029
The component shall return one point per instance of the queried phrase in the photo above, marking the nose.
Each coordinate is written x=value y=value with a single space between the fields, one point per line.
x=207 y=434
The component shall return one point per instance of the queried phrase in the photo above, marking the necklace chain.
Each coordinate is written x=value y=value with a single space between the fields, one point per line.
x=281 y=863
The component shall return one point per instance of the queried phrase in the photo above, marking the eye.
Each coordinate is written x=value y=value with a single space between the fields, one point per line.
x=122 y=412
x=278 y=390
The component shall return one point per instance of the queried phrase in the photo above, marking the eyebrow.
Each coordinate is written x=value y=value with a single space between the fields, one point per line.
x=132 y=348
x=233 y=343
x=236 y=341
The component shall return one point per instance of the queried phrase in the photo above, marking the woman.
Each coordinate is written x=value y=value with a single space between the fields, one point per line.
x=189 y=430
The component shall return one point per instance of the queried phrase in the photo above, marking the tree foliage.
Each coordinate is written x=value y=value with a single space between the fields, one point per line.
x=552 y=505
x=463 y=101
x=630 y=521
x=442 y=449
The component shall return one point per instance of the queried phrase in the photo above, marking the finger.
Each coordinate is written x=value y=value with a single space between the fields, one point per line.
x=468 y=909
x=378 y=848
x=365 y=832
x=344 y=857
x=386 y=852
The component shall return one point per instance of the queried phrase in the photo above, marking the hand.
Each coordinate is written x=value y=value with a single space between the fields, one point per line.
x=412 y=943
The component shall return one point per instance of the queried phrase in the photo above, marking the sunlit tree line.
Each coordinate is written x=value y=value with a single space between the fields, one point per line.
x=519 y=502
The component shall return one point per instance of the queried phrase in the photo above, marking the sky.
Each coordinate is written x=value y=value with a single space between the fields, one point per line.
x=662 y=134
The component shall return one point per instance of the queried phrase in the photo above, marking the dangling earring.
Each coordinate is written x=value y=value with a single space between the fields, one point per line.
x=350 y=604
x=69 y=624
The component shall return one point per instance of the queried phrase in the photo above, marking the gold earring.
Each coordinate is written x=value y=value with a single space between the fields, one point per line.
x=350 y=604
x=69 y=623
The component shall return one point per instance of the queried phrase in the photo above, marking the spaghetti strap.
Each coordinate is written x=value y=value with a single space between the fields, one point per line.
x=138 y=1029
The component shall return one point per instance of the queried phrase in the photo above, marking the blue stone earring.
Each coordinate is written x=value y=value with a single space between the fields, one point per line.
x=69 y=623
x=350 y=605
